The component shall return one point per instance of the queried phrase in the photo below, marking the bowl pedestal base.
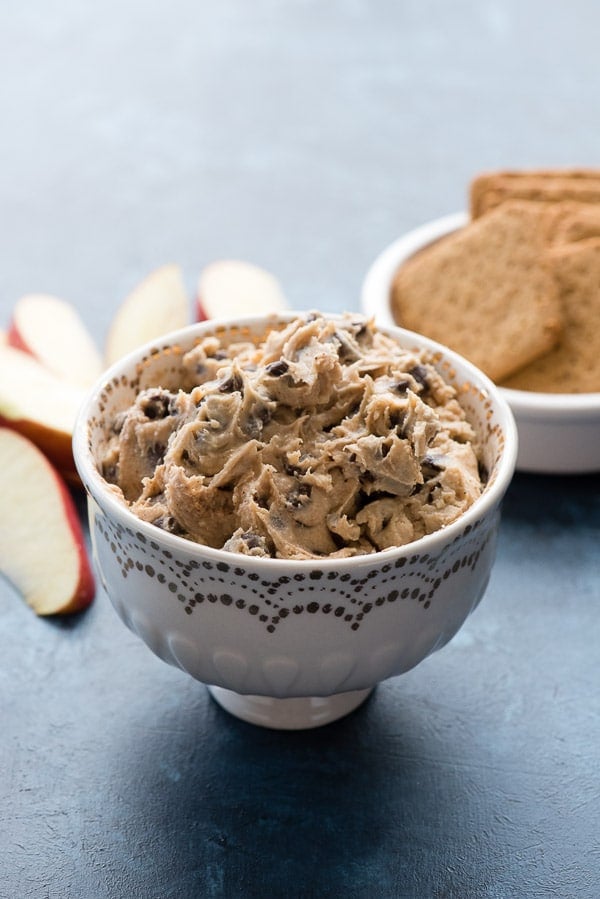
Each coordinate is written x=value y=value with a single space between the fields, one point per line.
x=297 y=713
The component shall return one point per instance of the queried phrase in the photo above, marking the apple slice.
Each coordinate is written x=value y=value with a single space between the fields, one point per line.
x=40 y=405
x=156 y=306
x=51 y=330
x=42 y=550
x=230 y=288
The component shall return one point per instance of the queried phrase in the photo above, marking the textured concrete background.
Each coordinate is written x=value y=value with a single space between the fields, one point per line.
x=304 y=136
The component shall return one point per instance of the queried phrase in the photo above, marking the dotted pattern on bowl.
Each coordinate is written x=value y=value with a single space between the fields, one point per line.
x=191 y=582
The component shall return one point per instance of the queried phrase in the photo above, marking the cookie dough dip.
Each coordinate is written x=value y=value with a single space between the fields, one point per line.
x=326 y=438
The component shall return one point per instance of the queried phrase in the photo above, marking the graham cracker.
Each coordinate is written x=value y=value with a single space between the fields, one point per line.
x=574 y=222
x=485 y=291
x=545 y=186
x=566 y=221
x=573 y=366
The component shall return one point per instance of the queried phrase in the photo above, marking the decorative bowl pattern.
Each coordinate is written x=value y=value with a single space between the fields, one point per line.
x=286 y=630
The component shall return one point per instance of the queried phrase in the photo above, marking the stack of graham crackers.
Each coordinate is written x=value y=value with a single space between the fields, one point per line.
x=516 y=291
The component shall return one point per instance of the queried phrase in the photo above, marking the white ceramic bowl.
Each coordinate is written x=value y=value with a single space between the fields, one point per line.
x=558 y=433
x=290 y=643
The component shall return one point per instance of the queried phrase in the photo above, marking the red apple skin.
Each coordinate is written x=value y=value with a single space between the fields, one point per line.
x=53 y=439
x=86 y=588
x=201 y=315
x=14 y=339
x=37 y=319
x=56 y=445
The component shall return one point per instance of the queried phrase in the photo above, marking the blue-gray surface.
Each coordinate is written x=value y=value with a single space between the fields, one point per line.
x=304 y=136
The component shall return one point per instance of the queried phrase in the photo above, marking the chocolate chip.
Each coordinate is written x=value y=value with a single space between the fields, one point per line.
x=277 y=369
x=252 y=541
x=156 y=453
x=298 y=497
x=397 y=421
x=419 y=373
x=252 y=428
x=156 y=406
x=346 y=352
x=109 y=473
x=401 y=387
x=170 y=524
x=433 y=462
x=255 y=422
x=232 y=384
x=263 y=413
